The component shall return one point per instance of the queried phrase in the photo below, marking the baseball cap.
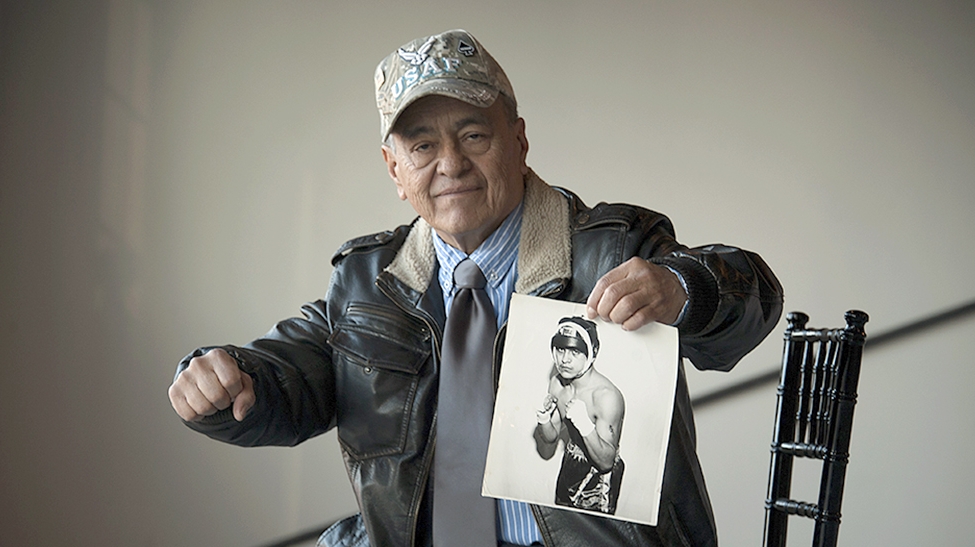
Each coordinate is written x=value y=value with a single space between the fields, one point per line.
x=453 y=64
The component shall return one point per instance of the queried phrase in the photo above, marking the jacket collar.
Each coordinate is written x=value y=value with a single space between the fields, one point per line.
x=544 y=254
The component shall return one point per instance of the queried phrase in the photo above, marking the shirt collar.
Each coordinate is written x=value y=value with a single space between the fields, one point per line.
x=494 y=256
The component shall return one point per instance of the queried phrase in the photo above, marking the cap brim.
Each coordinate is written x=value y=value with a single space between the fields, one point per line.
x=473 y=93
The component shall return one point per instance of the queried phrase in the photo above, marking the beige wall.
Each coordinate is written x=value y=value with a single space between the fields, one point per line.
x=178 y=173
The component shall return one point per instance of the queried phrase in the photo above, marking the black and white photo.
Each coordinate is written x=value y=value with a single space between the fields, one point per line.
x=582 y=412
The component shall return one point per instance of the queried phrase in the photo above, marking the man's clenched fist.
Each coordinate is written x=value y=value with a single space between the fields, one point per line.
x=577 y=413
x=210 y=383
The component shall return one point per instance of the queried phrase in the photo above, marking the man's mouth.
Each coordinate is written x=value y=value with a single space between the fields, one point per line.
x=459 y=190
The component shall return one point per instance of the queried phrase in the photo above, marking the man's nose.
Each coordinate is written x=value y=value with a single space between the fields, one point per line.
x=453 y=162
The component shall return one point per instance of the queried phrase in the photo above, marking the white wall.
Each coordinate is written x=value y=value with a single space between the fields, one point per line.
x=178 y=173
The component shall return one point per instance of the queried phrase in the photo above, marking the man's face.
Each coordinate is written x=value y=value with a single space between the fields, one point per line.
x=570 y=362
x=461 y=167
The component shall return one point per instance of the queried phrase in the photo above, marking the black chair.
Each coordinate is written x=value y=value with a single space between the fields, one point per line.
x=814 y=419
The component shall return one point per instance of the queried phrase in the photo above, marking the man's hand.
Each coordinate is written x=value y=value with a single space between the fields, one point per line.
x=635 y=293
x=577 y=413
x=544 y=414
x=210 y=383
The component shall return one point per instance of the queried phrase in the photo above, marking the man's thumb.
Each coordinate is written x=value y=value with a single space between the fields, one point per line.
x=245 y=399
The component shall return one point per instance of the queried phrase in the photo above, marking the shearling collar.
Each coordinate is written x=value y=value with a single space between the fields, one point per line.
x=544 y=253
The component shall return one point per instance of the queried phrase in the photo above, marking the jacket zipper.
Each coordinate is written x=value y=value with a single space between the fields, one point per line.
x=537 y=513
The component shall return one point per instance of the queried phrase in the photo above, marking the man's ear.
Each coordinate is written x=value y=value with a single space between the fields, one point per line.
x=390 y=158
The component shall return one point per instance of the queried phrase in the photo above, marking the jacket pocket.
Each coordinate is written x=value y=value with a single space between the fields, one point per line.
x=379 y=353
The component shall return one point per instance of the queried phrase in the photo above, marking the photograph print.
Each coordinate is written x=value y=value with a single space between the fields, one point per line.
x=583 y=412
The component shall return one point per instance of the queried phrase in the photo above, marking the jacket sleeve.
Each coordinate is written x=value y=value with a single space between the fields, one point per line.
x=294 y=384
x=734 y=299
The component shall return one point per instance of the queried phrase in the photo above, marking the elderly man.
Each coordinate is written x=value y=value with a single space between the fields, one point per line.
x=384 y=357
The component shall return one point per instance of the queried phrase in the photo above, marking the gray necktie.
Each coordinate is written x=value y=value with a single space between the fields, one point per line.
x=461 y=516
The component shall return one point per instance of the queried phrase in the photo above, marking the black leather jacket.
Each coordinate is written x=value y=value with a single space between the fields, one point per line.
x=365 y=360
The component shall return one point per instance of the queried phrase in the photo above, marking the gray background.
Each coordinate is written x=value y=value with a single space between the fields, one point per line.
x=174 y=174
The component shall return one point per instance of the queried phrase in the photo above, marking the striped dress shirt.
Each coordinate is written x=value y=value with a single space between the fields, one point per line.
x=497 y=258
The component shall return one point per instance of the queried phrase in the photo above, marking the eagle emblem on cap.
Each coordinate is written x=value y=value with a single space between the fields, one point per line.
x=417 y=57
